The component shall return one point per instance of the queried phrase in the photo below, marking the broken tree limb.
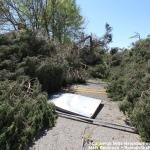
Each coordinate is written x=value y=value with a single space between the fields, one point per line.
x=84 y=39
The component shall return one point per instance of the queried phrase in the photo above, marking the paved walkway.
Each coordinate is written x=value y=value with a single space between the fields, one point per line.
x=69 y=134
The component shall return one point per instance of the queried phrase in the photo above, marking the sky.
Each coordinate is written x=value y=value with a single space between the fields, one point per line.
x=125 y=16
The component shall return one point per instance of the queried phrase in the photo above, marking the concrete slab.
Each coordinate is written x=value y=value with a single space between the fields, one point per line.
x=76 y=104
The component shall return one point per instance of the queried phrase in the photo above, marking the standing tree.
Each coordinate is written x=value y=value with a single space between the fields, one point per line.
x=58 y=19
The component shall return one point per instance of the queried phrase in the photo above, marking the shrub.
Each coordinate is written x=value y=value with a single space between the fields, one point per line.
x=51 y=76
x=30 y=55
x=116 y=89
x=30 y=65
x=141 y=115
x=24 y=111
x=100 y=71
x=25 y=62
x=128 y=83
x=114 y=50
x=89 y=57
x=8 y=38
x=126 y=106
x=116 y=59
x=75 y=75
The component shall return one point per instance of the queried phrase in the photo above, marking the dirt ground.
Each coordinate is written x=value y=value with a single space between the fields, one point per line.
x=69 y=134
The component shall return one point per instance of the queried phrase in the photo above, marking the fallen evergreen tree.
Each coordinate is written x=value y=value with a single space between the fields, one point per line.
x=130 y=84
x=24 y=112
x=30 y=67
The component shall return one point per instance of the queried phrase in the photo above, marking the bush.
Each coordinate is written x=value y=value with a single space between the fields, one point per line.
x=128 y=83
x=114 y=50
x=100 y=71
x=51 y=76
x=30 y=65
x=116 y=59
x=141 y=115
x=75 y=75
x=25 y=62
x=24 y=111
x=89 y=57
x=116 y=90
x=8 y=38
x=30 y=55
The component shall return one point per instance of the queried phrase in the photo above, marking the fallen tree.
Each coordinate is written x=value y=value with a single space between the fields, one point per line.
x=24 y=112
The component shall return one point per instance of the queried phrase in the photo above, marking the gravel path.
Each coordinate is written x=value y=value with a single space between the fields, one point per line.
x=68 y=134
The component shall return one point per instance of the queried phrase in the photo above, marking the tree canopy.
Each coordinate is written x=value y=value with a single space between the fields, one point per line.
x=56 y=19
